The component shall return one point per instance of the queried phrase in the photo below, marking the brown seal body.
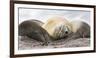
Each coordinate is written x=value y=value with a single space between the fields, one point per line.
x=33 y=29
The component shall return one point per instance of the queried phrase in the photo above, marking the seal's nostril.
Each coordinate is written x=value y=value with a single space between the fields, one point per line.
x=66 y=32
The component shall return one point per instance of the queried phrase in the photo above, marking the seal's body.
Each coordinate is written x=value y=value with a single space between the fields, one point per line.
x=33 y=29
x=80 y=29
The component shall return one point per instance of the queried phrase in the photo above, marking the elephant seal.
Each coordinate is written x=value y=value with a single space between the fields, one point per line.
x=33 y=29
x=57 y=27
x=80 y=29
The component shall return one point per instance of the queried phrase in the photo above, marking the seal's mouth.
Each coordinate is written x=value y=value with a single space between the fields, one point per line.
x=65 y=36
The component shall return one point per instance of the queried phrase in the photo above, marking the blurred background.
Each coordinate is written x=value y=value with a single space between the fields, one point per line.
x=44 y=14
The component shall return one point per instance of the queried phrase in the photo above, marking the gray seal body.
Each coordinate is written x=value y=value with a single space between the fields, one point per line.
x=33 y=29
x=80 y=29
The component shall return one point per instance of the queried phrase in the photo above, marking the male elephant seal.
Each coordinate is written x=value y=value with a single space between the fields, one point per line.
x=57 y=27
x=33 y=29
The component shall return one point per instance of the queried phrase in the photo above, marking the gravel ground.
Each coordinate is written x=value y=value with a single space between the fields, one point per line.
x=28 y=43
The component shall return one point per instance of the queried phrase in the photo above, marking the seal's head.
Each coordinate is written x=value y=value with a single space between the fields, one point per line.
x=57 y=27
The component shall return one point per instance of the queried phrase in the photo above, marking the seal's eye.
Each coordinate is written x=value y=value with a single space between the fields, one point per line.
x=66 y=32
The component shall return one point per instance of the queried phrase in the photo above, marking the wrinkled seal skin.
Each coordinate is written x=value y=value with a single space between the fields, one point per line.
x=33 y=29
x=57 y=27
x=79 y=29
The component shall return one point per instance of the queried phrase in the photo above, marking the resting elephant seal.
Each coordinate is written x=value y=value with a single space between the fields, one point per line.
x=33 y=29
x=57 y=27
x=80 y=29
